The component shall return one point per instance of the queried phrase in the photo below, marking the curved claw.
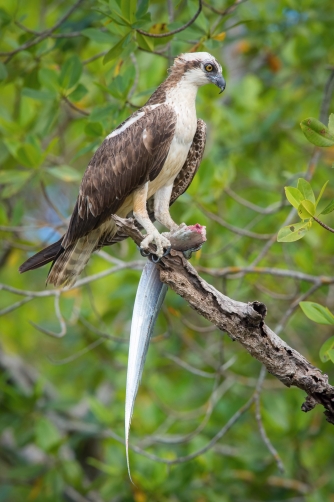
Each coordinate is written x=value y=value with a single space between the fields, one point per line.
x=144 y=253
x=167 y=251
x=155 y=258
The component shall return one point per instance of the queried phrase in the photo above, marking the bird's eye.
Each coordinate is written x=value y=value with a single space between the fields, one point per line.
x=208 y=67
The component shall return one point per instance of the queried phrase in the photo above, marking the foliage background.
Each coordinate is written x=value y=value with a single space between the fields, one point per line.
x=62 y=399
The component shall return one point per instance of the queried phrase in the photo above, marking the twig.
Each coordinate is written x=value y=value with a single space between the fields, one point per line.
x=274 y=294
x=225 y=12
x=94 y=58
x=178 y=30
x=199 y=329
x=157 y=53
x=78 y=354
x=134 y=265
x=15 y=306
x=264 y=436
x=71 y=34
x=41 y=36
x=273 y=208
x=177 y=439
x=100 y=333
x=237 y=272
x=295 y=305
x=50 y=203
x=236 y=230
x=63 y=327
x=188 y=367
x=71 y=105
x=323 y=224
x=326 y=101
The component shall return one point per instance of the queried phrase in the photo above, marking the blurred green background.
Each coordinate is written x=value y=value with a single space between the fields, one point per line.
x=71 y=72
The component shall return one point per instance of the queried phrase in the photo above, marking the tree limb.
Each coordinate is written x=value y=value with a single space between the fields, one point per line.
x=173 y=32
x=244 y=323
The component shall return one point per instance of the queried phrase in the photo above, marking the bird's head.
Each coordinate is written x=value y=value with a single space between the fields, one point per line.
x=199 y=68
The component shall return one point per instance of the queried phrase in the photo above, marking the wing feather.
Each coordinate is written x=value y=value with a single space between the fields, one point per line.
x=181 y=182
x=122 y=163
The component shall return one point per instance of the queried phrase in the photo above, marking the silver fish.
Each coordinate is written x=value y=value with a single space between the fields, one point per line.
x=149 y=298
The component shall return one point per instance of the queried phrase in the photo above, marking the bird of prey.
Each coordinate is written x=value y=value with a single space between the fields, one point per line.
x=139 y=170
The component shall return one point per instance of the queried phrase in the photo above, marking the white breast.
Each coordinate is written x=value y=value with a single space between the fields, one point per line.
x=182 y=99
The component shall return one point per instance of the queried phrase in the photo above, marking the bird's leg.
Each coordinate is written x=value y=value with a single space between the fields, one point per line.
x=141 y=215
x=161 y=207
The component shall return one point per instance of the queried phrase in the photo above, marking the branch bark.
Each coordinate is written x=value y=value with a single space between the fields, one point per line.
x=244 y=323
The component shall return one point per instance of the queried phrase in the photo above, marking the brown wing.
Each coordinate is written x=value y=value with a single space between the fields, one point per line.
x=121 y=164
x=182 y=181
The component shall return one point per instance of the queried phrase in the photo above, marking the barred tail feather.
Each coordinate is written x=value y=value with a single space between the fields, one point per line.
x=72 y=261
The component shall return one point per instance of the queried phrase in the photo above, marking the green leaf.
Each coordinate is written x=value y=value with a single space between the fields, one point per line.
x=29 y=155
x=12 y=176
x=118 y=20
x=70 y=72
x=14 y=188
x=305 y=188
x=49 y=79
x=3 y=215
x=145 y=42
x=326 y=352
x=5 y=18
x=117 y=50
x=101 y=37
x=316 y=132
x=329 y=208
x=317 y=312
x=3 y=71
x=331 y=123
x=37 y=94
x=101 y=412
x=293 y=232
x=65 y=173
x=294 y=196
x=306 y=209
x=142 y=8
x=47 y=435
x=128 y=8
x=51 y=148
x=115 y=7
x=94 y=129
x=320 y=194
x=79 y=92
x=91 y=147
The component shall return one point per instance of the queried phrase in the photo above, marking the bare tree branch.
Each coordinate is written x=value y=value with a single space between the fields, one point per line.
x=243 y=322
x=225 y=12
x=41 y=36
x=237 y=272
x=321 y=223
x=178 y=30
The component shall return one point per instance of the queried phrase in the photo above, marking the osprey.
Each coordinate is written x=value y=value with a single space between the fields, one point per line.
x=140 y=169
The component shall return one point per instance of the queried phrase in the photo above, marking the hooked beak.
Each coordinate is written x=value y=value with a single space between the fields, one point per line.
x=220 y=82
